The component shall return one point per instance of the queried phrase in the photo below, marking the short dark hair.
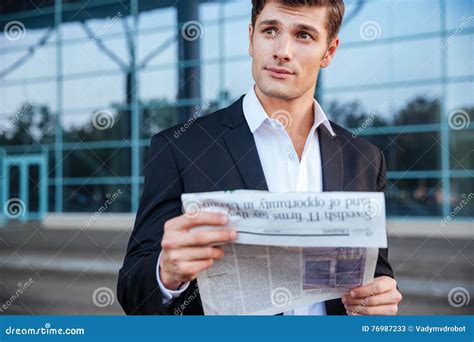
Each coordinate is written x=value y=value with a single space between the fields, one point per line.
x=335 y=11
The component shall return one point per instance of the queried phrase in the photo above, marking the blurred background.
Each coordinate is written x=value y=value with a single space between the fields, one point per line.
x=85 y=84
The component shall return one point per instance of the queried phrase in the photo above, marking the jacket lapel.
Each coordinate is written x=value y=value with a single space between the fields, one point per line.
x=331 y=160
x=241 y=145
x=333 y=180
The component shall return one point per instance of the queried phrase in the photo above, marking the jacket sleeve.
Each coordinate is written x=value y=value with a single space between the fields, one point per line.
x=138 y=291
x=383 y=267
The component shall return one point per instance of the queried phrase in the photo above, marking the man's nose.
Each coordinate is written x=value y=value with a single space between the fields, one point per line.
x=283 y=49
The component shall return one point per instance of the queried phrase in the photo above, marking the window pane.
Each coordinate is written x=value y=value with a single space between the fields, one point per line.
x=459 y=96
x=210 y=84
x=157 y=116
x=458 y=13
x=237 y=8
x=104 y=162
x=97 y=92
x=34 y=184
x=149 y=41
x=379 y=64
x=461 y=149
x=100 y=125
x=238 y=79
x=236 y=38
x=86 y=56
x=97 y=198
x=41 y=64
x=460 y=55
x=410 y=152
x=158 y=85
x=462 y=197
x=164 y=17
x=13 y=97
x=209 y=41
x=386 y=107
x=414 y=197
x=387 y=19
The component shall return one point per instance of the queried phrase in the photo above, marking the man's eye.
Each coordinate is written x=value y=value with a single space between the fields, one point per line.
x=270 y=31
x=304 y=35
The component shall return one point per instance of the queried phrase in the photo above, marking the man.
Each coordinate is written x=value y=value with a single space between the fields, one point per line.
x=274 y=138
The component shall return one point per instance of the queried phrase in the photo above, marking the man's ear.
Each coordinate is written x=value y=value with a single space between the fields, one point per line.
x=331 y=51
x=250 y=40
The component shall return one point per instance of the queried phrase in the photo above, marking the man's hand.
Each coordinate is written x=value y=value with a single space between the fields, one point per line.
x=186 y=253
x=380 y=297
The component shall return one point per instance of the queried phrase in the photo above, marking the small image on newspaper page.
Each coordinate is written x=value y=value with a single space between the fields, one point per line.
x=292 y=249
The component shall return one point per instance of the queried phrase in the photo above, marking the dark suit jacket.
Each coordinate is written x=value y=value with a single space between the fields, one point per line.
x=213 y=153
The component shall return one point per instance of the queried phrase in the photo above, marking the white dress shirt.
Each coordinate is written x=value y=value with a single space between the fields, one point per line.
x=283 y=171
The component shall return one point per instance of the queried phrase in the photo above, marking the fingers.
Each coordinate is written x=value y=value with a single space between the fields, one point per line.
x=204 y=238
x=390 y=309
x=186 y=252
x=380 y=297
x=378 y=286
x=391 y=297
x=188 y=270
x=196 y=253
x=198 y=238
x=186 y=222
x=183 y=265
x=193 y=268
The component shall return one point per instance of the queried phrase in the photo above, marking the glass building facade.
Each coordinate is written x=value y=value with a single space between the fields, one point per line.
x=85 y=84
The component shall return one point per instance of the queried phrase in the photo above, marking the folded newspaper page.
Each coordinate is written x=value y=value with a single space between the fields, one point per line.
x=292 y=249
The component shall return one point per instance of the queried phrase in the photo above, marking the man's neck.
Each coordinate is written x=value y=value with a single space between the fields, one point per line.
x=301 y=115
x=300 y=110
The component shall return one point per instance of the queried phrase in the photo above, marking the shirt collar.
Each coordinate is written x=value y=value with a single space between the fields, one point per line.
x=256 y=115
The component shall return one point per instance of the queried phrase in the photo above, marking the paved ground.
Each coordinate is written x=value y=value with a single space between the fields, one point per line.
x=66 y=267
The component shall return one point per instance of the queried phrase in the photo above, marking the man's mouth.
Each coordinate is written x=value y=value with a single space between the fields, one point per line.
x=279 y=72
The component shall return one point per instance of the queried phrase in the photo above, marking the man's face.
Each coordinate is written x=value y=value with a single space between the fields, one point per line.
x=289 y=46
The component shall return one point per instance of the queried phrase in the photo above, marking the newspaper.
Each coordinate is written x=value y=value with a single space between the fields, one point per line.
x=292 y=249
